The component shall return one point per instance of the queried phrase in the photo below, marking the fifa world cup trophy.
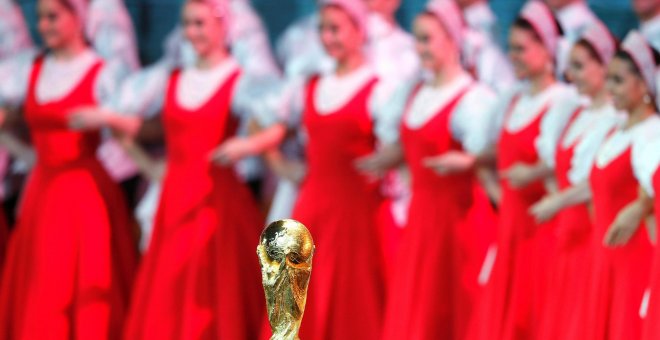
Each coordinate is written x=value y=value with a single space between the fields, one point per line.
x=285 y=252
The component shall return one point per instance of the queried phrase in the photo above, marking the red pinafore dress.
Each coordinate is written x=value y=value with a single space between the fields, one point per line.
x=200 y=278
x=4 y=236
x=435 y=281
x=652 y=319
x=512 y=300
x=72 y=256
x=620 y=275
x=339 y=205
x=569 y=276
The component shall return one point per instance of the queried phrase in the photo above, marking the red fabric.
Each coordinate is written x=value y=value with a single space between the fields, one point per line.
x=339 y=205
x=652 y=321
x=434 y=286
x=513 y=298
x=391 y=230
x=620 y=275
x=200 y=278
x=4 y=237
x=71 y=258
x=563 y=316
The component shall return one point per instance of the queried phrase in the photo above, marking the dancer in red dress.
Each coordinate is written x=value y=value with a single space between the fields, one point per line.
x=534 y=116
x=563 y=316
x=435 y=280
x=71 y=260
x=646 y=163
x=343 y=117
x=622 y=260
x=200 y=277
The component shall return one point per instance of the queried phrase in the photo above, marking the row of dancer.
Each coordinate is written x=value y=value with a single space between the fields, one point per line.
x=196 y=278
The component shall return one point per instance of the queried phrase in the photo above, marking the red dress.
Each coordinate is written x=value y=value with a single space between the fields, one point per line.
x=339 y=205
x=652 y=320
x=434 y=286
x=71 y=259
x=569 y=274
x=200 y=278
x=620 y=275
x=512 y=301
x=4 y=236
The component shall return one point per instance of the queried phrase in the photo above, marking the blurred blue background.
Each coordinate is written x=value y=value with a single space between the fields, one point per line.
x=153 y=19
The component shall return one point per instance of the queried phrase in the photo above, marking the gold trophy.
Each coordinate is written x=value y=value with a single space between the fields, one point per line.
x=285 y=252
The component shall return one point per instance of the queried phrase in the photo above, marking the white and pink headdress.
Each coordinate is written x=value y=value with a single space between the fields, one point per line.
x=602 y=41
x=451 y=18
x=356 y=9
x=539 y=15
x=642 y=54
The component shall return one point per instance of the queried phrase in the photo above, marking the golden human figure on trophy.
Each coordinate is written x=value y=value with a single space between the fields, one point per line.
x=285 y=252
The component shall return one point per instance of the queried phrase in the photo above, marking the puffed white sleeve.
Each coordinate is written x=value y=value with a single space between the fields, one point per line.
x=259 y=98
x=279 y=101
x=646 y=155
x=588 y=146
x=109 y=82
x=471 y=122
x=387 y=104
x=15 y=75
x=554 y=122
x=143 y=93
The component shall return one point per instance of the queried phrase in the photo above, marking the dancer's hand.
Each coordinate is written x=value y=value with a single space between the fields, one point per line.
x=624 y=226
x=293 y=171
x=232 y=151
x=546 y=209
x=519 y=175
x=87 y=118
x=379 y=162
x=449 y=163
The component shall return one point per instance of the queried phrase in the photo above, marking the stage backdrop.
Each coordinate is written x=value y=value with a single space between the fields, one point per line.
x=153 y=19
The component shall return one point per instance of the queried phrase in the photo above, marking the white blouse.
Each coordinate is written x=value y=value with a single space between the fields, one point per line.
x=333 y=92
x=143 y=93
x=391 y=50
x=646 y=155
x=14 y=34
x=591 y=128
x=469 y=120
x=58 y=78
x=622 y=139
x=561 y=100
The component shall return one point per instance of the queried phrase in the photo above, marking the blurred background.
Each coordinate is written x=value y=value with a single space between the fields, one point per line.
x=153 y=19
